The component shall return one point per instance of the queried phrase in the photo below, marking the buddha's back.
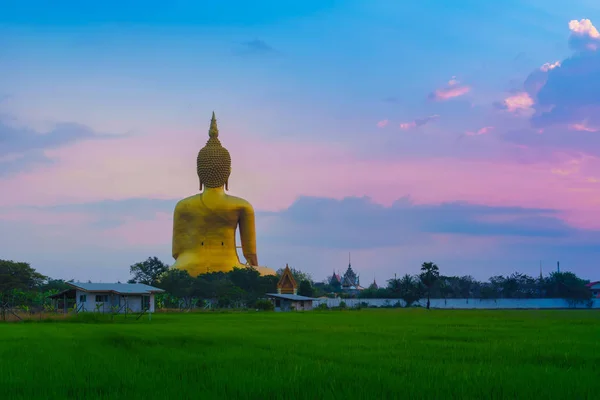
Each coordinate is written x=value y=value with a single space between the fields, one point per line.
x=204 y=235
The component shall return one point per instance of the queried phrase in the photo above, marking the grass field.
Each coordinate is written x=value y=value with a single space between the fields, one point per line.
x=366 y=354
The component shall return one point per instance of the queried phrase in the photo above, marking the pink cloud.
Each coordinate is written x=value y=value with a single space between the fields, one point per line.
x=582 y=127
x=454 y=89
x=550 y=66
x=520 y=103
x=584 y=35
x=383 y=123
x=482 y=131
x=584 y=27
x=408 y=125
x=418 y=122
x=162 y=166
x=453 y=81
x=149 y=232
x=563 y=172
x=44 y=217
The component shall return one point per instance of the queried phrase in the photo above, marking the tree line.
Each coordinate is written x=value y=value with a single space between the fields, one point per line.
x=431 y=284
x=21 y=285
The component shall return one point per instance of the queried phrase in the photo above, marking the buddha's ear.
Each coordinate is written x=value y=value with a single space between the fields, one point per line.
x=227 y=184
x=200 y=185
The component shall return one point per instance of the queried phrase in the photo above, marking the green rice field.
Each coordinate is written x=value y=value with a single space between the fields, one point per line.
x=365 y=354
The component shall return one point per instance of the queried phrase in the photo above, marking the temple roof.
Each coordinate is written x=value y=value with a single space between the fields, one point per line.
x=287 y=276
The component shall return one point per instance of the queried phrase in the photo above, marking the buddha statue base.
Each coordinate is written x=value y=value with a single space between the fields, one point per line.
x=196 y=270
x=265 y=271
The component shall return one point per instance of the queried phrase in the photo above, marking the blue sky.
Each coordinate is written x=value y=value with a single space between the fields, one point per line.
x=436 y=102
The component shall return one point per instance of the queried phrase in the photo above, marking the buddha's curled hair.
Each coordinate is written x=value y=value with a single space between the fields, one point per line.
x=214 y=161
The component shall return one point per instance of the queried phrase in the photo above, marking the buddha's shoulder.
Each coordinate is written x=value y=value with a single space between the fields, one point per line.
x=196 y=200
x=188 y=201
x=238 y=201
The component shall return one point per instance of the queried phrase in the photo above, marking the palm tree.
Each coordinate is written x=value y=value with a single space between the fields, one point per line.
x=430 y=273
x=410 y=289
x=394 y=285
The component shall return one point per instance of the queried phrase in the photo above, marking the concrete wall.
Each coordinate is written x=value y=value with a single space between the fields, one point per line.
x=464 y=303
x=302 y=306
x=289 y=305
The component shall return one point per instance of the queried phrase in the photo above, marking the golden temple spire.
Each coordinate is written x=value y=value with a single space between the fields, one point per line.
x=213 y=131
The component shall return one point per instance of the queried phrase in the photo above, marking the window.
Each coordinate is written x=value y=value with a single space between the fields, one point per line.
x=82 y=298
x=302 y=303
x=277 y=303
x=101 y=298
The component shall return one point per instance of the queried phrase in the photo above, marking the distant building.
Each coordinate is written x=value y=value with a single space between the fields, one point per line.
x=373 y=285
x=595 y=289
x=287 y=298
x=108 y=297
x=349 y=282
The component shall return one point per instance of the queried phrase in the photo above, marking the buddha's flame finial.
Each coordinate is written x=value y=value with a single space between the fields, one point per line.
x=213 y=131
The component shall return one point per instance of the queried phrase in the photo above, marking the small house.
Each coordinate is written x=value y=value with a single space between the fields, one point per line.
x=108 y=297
x=595 y=289
x=287 y=298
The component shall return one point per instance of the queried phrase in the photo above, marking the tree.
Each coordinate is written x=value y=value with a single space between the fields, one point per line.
x=228 y=294
x=305 y=288
x=430 y=273
x=148 y=272
x=394 y=286
x=178 y=283
x=54 y=285
x=247 y=279
x=202 y=288
x=466 y=284
x=17 y=276
x=332 y=285
x=568 y=286
x=410 y=289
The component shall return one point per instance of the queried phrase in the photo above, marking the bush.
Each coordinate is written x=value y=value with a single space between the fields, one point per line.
x=322 y=306
x=264 y=305
x=343 y=305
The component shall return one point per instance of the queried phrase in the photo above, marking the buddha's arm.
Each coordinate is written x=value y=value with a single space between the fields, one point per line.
x=248 y=234
x=178 y=232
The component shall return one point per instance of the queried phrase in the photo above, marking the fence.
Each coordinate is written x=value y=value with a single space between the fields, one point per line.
x=483 y=304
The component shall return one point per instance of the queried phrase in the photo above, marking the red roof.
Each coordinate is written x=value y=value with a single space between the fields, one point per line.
x=592 y=284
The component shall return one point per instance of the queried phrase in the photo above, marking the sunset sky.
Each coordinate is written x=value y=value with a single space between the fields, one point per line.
x=465 y=133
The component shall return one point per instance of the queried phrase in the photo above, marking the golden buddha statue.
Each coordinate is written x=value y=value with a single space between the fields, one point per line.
x=204 y=225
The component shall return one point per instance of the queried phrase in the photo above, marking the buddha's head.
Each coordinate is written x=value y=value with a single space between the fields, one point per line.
x=214 y=161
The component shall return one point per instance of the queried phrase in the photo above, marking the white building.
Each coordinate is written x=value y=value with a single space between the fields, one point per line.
x=108 y=297
x=595 y=288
